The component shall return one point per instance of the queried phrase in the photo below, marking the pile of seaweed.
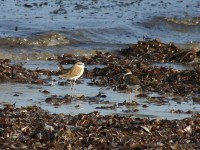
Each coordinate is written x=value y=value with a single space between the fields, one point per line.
x=156 y=51
x=15 y=73
x=138 y=58
x=34 y=128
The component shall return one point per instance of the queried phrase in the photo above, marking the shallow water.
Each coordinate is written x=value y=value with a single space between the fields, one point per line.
x=174 y=66
x=31 y=94
x=48 y=28
x=27 y=95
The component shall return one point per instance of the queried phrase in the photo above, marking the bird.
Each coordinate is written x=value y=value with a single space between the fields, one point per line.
x=74 y=73
x=132 y=81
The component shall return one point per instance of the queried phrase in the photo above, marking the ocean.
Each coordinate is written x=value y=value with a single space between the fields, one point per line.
x=37 y=29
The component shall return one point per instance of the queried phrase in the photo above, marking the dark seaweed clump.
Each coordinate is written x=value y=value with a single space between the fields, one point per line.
x=34 y=128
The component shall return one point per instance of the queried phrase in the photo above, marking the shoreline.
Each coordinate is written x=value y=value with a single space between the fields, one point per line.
x=33 y=127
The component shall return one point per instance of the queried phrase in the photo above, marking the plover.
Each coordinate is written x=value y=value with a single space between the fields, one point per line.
x=132 y=81
x=74 y=73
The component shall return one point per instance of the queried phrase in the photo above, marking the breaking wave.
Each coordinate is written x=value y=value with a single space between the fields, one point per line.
x=40 y=40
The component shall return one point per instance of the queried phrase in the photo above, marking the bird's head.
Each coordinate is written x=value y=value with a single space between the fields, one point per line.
x=127 y=72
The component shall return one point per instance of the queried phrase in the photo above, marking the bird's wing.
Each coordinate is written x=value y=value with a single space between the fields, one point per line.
x=74 y=71
x=67 y=73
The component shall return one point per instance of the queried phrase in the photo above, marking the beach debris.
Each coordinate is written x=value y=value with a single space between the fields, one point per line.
x=58 y=100
x=34 y=128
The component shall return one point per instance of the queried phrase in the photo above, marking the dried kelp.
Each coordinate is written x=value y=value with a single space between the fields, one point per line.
x=34 y=128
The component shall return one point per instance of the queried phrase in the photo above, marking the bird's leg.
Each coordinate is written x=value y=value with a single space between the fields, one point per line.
x=71 y=84
x=130 y=93
x=141 y=91
x=138 y=91
x=74 y=83
x=63 y=83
